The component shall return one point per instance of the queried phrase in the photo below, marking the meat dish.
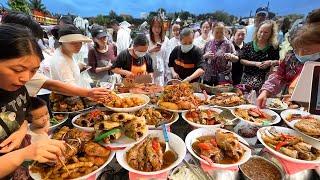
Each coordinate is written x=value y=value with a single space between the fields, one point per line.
x=62 y=103
x=223 y=148
x=204 y=116
x=154 y=116
x=228 y=100
x=254 y=115
x=92 y=117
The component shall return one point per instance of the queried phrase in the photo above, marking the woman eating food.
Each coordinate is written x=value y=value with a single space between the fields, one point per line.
x=134 y=61
x=19 y=60
x=260 y=55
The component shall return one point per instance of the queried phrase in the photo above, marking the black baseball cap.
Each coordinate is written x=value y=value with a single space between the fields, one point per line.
x=98 y=32
x=262 y=10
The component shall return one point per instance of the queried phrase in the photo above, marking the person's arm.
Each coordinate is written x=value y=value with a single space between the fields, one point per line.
x=72 y=90
x=122 y=72
x=250 y=63
x=199 y=72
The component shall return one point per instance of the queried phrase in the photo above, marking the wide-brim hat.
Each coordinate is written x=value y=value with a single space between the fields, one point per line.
x=74 y=38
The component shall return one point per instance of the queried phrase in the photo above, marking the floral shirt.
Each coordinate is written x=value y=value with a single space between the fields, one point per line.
x=288 y=70
x=218 y=65
x=253 y=76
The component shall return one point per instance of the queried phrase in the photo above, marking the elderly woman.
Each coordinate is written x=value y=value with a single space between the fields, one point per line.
x=185 y=60
x=159 y=50
x=201 y=41
x=134 y=61
x=219 y=55
x=260 y=54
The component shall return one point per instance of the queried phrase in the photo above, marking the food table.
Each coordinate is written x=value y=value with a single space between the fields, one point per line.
x=182 y=128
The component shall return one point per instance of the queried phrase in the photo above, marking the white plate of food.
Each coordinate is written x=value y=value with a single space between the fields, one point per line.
x=220 y=141
x=121 y=130
x=133 y=158
x=204 y=117
x=61 y=104
x=227 y=100
x=303 y=122
x=276 y=104
x=81 y=161
x=128 y=102
x=86 y=121
x=289 y=145
x=254 y=116
x=155 y=116
x=57 y=120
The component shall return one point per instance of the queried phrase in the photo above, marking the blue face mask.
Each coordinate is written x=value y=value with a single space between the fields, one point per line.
x=310 y=57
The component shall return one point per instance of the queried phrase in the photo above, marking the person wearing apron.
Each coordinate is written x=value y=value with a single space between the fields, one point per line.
x=134 y=61
x=185 y=61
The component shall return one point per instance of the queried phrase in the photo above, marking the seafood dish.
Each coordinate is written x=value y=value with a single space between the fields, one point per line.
x=120 y=124
x=276 y=103
x=81 y=157
x=227 y=100
x=155 y=116
x=309 y=126
x=57 y=118
x=92 y=117
x=254 y=115
x=259 y=168
x=62 y=103
x=179 y=97
x=204 y=116
x=289 y=145
x=148 y=155
x=222 y=148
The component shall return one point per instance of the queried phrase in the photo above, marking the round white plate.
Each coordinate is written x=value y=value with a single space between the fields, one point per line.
x=267 y=111
x=292 y=132
x=131 y=109
x=175 y=142
x=193 y=135
x=86 y=129
x=95 y=174
x=202 y=125
x=124 y=141
x=284 y=106
x=287 y=113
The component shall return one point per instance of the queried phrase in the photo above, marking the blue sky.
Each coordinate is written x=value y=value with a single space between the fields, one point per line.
x=135 y=7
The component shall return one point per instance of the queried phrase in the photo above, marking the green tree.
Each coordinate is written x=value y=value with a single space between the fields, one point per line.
x=19 y=5
x=101 y=20
x=37 y=5
x=294 y=17
x=112 y=15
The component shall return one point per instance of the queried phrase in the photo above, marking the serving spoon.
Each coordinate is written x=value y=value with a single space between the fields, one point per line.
x=169 y=155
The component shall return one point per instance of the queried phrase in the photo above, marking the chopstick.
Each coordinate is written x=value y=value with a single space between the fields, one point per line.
x=201 y=170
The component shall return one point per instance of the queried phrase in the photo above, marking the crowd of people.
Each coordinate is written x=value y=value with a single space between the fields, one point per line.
x=246 y=56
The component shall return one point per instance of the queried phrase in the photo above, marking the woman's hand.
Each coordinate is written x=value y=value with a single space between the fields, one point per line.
x=45 y=150
x=175 y=75
x=262 y=99
x=208 y=55
x=97 y=93
x=14 y=140
x=265 y=64
x=155 y=49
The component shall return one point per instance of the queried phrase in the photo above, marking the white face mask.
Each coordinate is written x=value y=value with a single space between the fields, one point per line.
x=186 y=48
x=140 y=54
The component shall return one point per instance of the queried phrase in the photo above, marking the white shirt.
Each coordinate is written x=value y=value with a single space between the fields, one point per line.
x=51 y=42
x=123 y=39
x=35 y=84
x=250 y=32
x=200 y=42
x=173 y=42
x=65 y=69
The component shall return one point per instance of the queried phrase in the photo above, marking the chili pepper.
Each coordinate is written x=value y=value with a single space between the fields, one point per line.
x=204 y=146
x=287 y=136
x=155 y=145
x=280 y=144
x=108 y=133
